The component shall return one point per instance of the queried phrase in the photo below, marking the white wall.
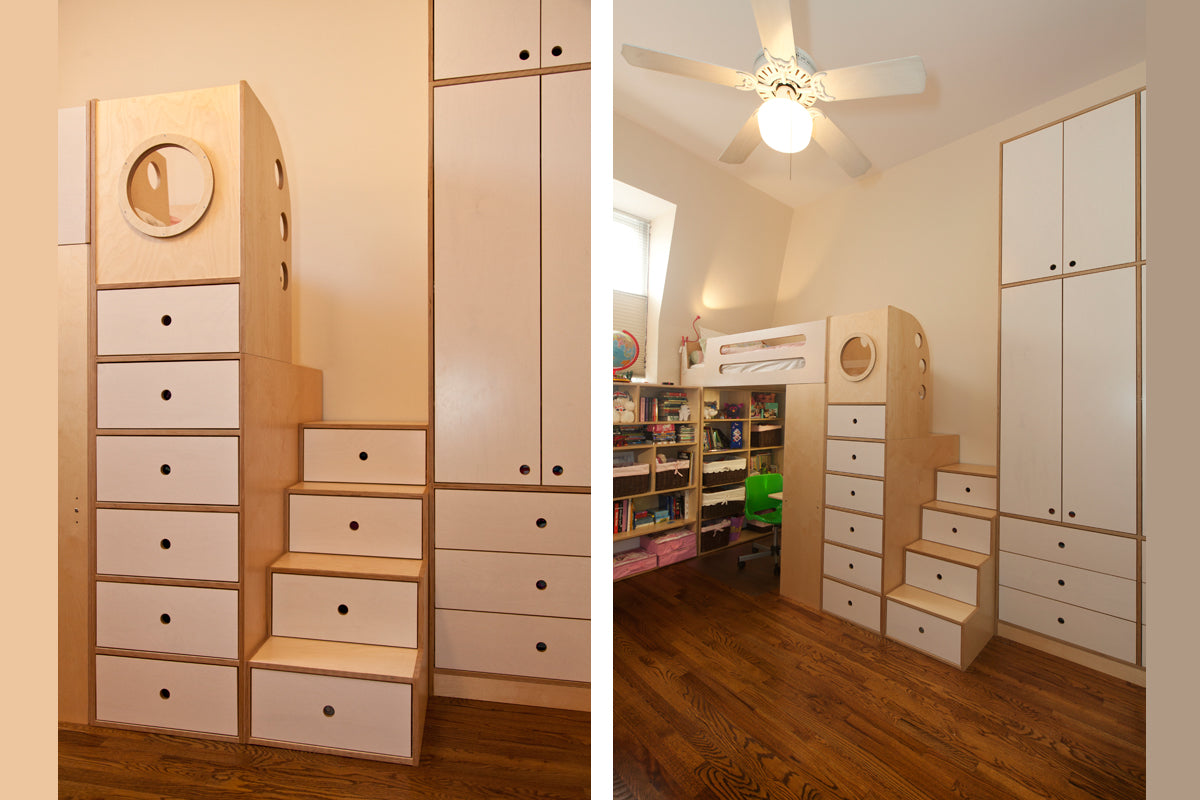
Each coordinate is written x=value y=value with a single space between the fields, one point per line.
x=347 y=88
x=727 y=246
x=924 y=236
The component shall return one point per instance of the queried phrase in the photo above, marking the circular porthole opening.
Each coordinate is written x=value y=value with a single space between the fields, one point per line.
x=856 y=358
x=166 y=186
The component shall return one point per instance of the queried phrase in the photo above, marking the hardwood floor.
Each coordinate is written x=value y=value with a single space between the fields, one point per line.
x=471 y=750
x=720 y=694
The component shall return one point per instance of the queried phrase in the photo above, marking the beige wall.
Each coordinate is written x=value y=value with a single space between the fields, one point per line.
x=924 y=236
x=727 y=246
x=346 y=86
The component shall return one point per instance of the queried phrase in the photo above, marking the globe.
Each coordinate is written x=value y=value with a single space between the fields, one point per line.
x=625 y=350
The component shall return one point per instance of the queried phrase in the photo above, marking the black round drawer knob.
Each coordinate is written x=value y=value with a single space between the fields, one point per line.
x=556 y=50
x=939 y=576
x=1071 y=514
x=165 y=469
x=1062 y=621
x=852 y=529
x=165 y=544
x=852 y=493
x=523 y=55
x=853 y=457
x=1062 y=545
x=968 y=490
x=849 y=602
x=524 y=469
x=343 y=609
x=166 y=394
x=1053 y=267
x=541 y=647
x=166 y=319
x=353 y=524
x=854 y=421
x=541 y=522
x=556 y=469
x=920 y=630
x=1052 y=512
x=851 y=566
x=165 y=619
x=540 y=584
x=362 y=456
x=954 y=530
x=1061 y=582
x=1070 y=263
x=328 y=711
x=165 y=694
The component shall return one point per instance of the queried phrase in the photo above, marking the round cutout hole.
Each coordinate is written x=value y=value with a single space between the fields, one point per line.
x=328 y=711
x=353 y=524
x=918 y=340
x=343 y=609
x=165 y=544
x=857 y=357
x=922 y=366
x=283 y=226
x=284 y=277
x=362 y=456
x=165 y=694
x=921 y=392
x=166 y=394
x=278 y=174
x=541 y=647
x=165 y=619
x=167 y=185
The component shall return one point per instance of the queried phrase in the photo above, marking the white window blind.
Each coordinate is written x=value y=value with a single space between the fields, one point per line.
x=630 y=269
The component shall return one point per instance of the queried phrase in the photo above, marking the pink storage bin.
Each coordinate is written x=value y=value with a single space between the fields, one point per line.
x=671 y=546
x=631 y=562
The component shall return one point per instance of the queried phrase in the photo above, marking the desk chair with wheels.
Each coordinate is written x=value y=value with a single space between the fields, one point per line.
x=761 y=508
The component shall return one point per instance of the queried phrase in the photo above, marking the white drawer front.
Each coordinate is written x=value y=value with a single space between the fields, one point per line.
x=167 y=394
x=865 y=533
x=1107 y=594
x=864 y=422
x=969 y=490
x=168 y=319
x=167 y=544
x=364 y=455
x=514 y=583
x=329 y=711
x=167 y=619
x=969 y=533
x=1099 y=552
x=859 y=458
x=853 y=567
x=512 y=644
x=344 y=609
x=1092 y=630
x=942 y=577
x=924 y=632
x=389 y=527
x=167 y=694
x=861 y=608
x=856 y=494
x=519 y=522
x=167 y=469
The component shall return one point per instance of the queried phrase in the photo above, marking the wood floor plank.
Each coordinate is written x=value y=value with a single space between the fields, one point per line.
x=723 y=694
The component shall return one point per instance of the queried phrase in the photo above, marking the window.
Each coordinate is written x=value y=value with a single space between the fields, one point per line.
x=630 y=271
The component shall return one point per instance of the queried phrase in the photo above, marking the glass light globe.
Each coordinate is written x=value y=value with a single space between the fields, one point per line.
x=785 y=125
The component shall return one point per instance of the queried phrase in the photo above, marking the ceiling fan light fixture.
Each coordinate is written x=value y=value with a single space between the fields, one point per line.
x=785 y=125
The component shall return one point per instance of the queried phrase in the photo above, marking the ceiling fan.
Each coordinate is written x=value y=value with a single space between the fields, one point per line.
x=787 y=80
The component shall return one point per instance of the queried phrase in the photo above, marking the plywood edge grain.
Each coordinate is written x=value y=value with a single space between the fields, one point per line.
x=507 y=689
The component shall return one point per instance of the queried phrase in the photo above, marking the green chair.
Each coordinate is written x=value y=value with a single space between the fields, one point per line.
x=760 y=507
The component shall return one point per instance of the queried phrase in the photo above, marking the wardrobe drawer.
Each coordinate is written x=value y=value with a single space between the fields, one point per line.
x=514 y=583
x=865 y=533
x=860 y=458
x=861 y=608
x=1099 y=552
x=167 y=619
x=1080 y=626
x=179 y=695
x=364 y=455
x=512 y=644
x=1107 y=594
x=167 y=319
x=167 y=469
x=938 y=637
x=389 y=527
x=969 y=490
x=365 y=611
x=328 y=711
x=942 y=577
x=956 y=530
x=520 y=522
x=167 y=394
x=863 y=422
x=854 y=567
x=856 y=494
x=198 y=545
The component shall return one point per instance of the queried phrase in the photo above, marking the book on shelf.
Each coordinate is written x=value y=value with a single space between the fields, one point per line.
x=764 y=405
x=735 y=435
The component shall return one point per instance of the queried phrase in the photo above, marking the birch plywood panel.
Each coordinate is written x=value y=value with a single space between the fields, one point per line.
x=211 y=249
x=872 y=387
x=804 y=492
x=909 y=377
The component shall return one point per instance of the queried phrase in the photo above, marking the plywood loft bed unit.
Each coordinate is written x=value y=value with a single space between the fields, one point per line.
x=782 y=355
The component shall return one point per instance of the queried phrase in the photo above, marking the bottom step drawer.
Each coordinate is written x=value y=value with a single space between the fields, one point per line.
x=331 y=712
x=933 y=635
x=855 y=605
x=1079 y=626
x=179 y=695
x=513 y=644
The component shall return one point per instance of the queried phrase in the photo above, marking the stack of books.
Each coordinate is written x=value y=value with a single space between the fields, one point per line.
x=666 y=407
x=628 y=435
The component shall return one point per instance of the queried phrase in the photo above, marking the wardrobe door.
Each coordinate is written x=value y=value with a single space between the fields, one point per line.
x=1100 y=187
x=486 y=282
x=474 y=38
x=1031 y=400
x=566 y=32
x=1031 y=214
x=566 y=278
x=1100 y=400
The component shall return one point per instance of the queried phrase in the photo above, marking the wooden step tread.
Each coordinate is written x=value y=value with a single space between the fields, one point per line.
x=947 y=608
x=946 y=552
x=958 y=508
x=982 y=470
x=364 y=425
x=359 y=489
x=395 y=569
x=395 y=664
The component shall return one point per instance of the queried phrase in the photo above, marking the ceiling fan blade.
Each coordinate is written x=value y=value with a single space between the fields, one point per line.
x=774 y=21
x=744 y=143
x=676 y=65
x=835 y=144
x=879 y=79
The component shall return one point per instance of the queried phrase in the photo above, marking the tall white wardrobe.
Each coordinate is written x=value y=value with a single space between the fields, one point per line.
x=511 y=282
x=1072 y=261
